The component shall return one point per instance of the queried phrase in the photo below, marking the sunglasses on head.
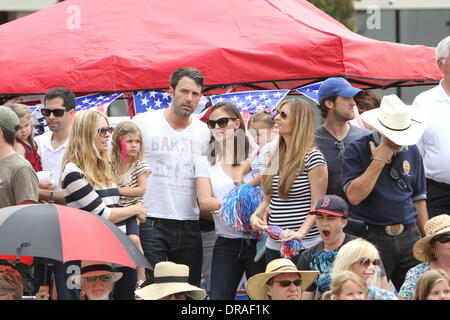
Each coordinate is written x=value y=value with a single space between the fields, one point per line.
x=57 y=112
x=102 y=278
x=103 y=131
x=287 y=283
x=442 y=239
x=366 y=262
x=222 y=122
x=282 y=114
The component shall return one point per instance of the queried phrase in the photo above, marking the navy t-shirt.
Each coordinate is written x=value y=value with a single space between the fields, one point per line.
x=327 y=145
x=387 y=204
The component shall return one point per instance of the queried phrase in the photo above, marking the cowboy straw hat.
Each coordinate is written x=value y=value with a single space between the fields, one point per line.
x=95 y=268
x=402 y=124
x=170 y=278
x=435 y=226
x=256 y=285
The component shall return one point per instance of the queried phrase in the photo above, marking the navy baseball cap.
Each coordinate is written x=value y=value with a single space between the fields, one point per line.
x=340 y=86
x=331 y=205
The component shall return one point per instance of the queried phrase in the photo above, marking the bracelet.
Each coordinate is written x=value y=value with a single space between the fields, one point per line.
x=382 y=160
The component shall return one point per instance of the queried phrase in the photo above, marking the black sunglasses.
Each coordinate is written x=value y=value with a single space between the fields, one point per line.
x=282 y=114
x=366 y=261
x=57 y=112
x=222 y=122
x=341 y=147
x=442 y=239
x=102 y=278
x=287 y=283
x=103 y=131
x=402 y=184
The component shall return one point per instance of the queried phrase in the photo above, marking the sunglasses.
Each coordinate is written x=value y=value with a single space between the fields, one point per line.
x=287 y=283
x=222 y=122
x=282 y=114
x=366 y=262
x=400 y=182
x=178 y=296
x=102 y=278
x=103 y=131
x=57 y=112
x=442 y=239
x=340 y=146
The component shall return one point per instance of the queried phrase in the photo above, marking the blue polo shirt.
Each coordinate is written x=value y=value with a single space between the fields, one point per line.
x=387 y=204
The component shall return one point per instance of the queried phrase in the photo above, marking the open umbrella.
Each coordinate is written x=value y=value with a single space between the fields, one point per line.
x=62 y=233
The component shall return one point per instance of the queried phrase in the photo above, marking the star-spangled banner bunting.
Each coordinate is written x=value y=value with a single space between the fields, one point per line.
x=311 y=91
x=145 y=100
x=98 y=101
x=252 y=101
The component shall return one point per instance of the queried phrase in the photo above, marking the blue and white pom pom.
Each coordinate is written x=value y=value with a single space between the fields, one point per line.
x=238 y=206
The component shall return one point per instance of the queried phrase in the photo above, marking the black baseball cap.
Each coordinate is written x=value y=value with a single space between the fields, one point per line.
x=331 y=205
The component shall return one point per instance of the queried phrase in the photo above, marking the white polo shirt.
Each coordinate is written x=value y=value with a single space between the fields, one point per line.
x=51 y=159
x=434 y=145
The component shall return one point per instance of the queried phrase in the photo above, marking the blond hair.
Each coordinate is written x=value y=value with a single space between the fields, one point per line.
x=11 y=282
x=81 y=149
x=302 y=118
x=351 y=252
x=122 y=129
x=22 y=110
x=338 y=282
x=261 y=117
x=427 y=281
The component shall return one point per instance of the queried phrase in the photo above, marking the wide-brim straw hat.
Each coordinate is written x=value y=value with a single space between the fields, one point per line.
x=95 y=268
x=256 y=285
x=170 y=278
x=400 y=123
x=422 y=249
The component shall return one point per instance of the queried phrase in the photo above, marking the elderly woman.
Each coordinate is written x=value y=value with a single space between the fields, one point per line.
x=295 y=179
x=361 y=257
x=433 y=250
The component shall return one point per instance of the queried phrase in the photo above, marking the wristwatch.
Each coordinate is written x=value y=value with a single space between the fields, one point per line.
x=51 y=198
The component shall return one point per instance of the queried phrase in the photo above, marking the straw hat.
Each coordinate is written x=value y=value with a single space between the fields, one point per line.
x=400 y=123
x=256 y=285
x=435 y=226
x=95 y=268
x=170 y=278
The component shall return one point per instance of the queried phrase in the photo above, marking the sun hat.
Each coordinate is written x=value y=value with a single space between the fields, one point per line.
x=399 y=122
x=95 y=268
x=8 y=119
x=435 y=226
x=170 y=278
x=337 y=86
x=256 y=285
x=332 y=206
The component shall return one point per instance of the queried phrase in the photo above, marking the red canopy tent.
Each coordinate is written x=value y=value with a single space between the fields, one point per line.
x=116 y=45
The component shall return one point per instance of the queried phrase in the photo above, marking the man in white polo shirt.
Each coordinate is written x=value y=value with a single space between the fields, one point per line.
x=434 y=144
x=59 y=112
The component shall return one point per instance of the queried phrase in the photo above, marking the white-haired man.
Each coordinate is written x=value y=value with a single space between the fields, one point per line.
x=433 y=145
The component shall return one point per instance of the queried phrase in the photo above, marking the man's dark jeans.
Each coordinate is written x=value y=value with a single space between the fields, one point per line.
x=395 y=251
x=173 y=240
x=231 y=258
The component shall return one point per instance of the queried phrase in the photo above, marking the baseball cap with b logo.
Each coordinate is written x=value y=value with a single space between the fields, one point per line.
x=331 y=205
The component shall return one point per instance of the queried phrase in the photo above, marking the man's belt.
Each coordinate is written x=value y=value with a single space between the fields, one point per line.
x=393 y=230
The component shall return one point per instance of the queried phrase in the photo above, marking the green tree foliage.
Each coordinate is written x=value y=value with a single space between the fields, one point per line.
x=341 y=10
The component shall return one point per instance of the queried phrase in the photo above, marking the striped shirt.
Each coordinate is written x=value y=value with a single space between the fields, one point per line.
x=129 y=179
x=79 y=193
x=290 y=213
